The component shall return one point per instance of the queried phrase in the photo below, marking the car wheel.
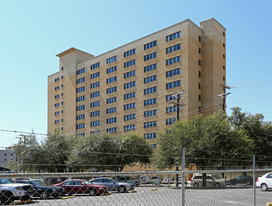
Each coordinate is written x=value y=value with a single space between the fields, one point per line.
x=195 y=185
x=122 y=189
x=264 y=187
x=44 y=195
x=25 y=198
x=93 y=192
x=6 y=198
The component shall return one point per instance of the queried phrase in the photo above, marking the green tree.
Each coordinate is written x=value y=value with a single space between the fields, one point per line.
x=259 y=131
x=210 y=141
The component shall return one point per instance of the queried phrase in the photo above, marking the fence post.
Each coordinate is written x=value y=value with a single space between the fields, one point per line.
x=183 y=177
x=254 y=183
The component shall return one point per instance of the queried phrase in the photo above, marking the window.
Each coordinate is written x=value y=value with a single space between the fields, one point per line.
x=81 y=107
x=57 y=105
x=150 y=113
x=129 y=106
x=150 y=124
x=171 y=109
x=112 y=130
x=111 y=100
x=62 y=68
x=224 y=67
x=153 y=146
x=173 y=84
x=95 y=114
x=95 y=132
x=129 y=53
x=150 y=90
x=112 y=69
x=150 y=56
x=223 y=78
x=199 y=86
x=150 y=101
x=150 y=45
x=173 y=72
x=199 y=62
x=57 y=96
x=111 y=90
x=96 y=65
x=57 y=113
x=150 y=67
x=80 y=126
x=111 y=110
x=199 y=109
x=173 y=36
x=130 y=127
x=199 y=97
x=170 y=97
x=80 y=89
x=62 y=77
x=199 y=50
x=111 y=120
x=62 y=111
x=79 y=99
x=173 y=48
x=199 y=38
x=224 y=56
x=80 y=71
x=130 y=63
x=150 y=79
x=170 y=121
x=224 y=34
x=130 y=74
x=112 y=59
x=62 y=85
x=95 y=104
x=130 y=95
x=81 y=116
x=199 y=74
x=94 y=85
x=81 y=134
x=112 y=79
x=129 y=117
x=56 y=121
x=57 y=88
x=130 y=84
x=173 y=60
x=150 y=135
x=95 y=94
x=80 y=80
x=95 y=75
x=57 y=79
x=61 y=102
x=224 y=45
x=95 y=123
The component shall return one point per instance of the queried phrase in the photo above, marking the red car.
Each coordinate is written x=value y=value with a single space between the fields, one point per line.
x=80 y=186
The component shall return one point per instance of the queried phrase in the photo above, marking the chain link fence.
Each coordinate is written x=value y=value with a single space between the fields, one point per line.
x=203 y=187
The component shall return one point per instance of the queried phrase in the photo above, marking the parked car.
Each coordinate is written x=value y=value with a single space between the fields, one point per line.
x=156 y=180
x=242 y=179
x=43 y=191
x=128 y=179
x=198 y=181
x=81 y=186
x=168 y=180
x=144 y=180
x=113 y=185
x=265 y=182
x=13 y=191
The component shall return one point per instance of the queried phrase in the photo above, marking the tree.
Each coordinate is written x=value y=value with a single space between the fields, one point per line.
x=210 y=141
x=259 y=131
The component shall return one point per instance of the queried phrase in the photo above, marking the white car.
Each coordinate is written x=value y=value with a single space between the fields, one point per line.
x=265 y=181
x=12 y=191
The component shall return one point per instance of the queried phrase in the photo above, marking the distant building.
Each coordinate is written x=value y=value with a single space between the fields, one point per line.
x=6 y=155
x=128 y=89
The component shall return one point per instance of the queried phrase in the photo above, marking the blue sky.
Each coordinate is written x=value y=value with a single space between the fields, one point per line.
x=32 y=32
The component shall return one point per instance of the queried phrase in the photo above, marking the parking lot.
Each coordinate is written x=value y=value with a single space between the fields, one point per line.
x=167 y=196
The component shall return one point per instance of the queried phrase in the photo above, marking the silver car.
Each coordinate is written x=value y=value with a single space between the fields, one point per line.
x=113 y=185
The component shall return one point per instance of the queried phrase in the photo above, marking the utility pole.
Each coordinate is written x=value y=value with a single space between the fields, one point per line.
x=224 y=95
x=178 y=104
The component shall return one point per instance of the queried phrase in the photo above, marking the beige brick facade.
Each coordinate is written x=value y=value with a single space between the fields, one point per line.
x=202 y=56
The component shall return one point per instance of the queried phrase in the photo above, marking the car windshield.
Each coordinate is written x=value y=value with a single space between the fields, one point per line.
x=5 y=181
x=88 y=183
x=216 y=177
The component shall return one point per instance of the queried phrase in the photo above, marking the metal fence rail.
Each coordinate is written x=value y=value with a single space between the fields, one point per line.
x=201 y=187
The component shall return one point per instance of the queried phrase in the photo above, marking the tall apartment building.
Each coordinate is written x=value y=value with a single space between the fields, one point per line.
x=128 y=89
